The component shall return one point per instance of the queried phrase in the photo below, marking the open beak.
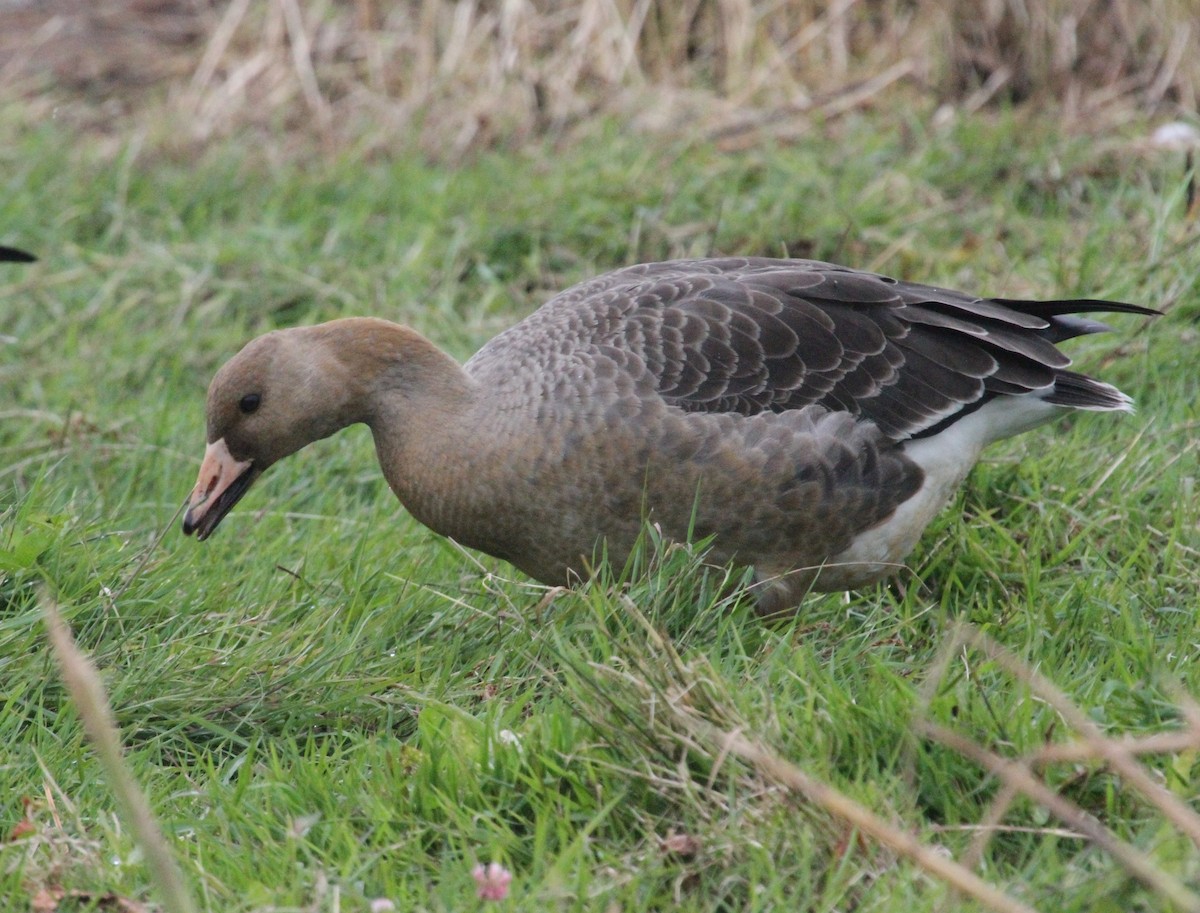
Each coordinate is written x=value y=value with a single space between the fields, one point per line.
x=222 y=482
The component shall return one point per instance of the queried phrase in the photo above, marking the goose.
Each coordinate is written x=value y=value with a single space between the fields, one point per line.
x=807 y=419
x=14 y=255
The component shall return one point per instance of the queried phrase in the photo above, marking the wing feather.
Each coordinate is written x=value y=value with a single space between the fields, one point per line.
x=755 y=335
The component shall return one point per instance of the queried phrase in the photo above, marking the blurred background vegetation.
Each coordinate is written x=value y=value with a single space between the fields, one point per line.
x=458 y=75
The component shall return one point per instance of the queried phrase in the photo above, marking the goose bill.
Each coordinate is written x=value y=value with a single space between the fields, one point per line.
x=222 y=482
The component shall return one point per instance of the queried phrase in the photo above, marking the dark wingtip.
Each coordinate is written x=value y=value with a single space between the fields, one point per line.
x=1064 y=324
x=1049 y=309
x=12 y=255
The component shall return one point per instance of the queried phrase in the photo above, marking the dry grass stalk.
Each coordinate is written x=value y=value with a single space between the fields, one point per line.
x=683 y=703
x=1018 y=775
x=87 y=691
x=1020 y=778
x=1111 y=751
x=775 y=769
x=459 y=75
x=989 y=824
x=470 y=73
x=1157 y=744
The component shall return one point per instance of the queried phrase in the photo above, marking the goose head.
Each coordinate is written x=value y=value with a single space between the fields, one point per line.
x=281 y=392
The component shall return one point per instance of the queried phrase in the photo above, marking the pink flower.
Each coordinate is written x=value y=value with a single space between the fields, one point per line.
x=491 y=881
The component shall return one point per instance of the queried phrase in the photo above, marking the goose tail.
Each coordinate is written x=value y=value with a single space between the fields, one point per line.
x=1078 y=391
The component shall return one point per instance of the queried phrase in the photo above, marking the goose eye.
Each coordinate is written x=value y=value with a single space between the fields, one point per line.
x=249 y=402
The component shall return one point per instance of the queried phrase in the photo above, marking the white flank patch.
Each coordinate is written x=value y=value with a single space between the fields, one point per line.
x=945 y=458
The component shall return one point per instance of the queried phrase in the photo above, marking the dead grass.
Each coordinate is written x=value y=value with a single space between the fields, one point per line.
x=83 y=682
x=684 y=708
x=459 y=76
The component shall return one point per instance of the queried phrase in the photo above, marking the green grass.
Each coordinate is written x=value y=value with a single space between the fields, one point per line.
x=327 y=704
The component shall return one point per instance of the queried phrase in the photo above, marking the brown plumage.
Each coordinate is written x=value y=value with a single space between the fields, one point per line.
x=811 y=418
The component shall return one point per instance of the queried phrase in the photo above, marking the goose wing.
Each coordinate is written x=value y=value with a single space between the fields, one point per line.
x=754 y=335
